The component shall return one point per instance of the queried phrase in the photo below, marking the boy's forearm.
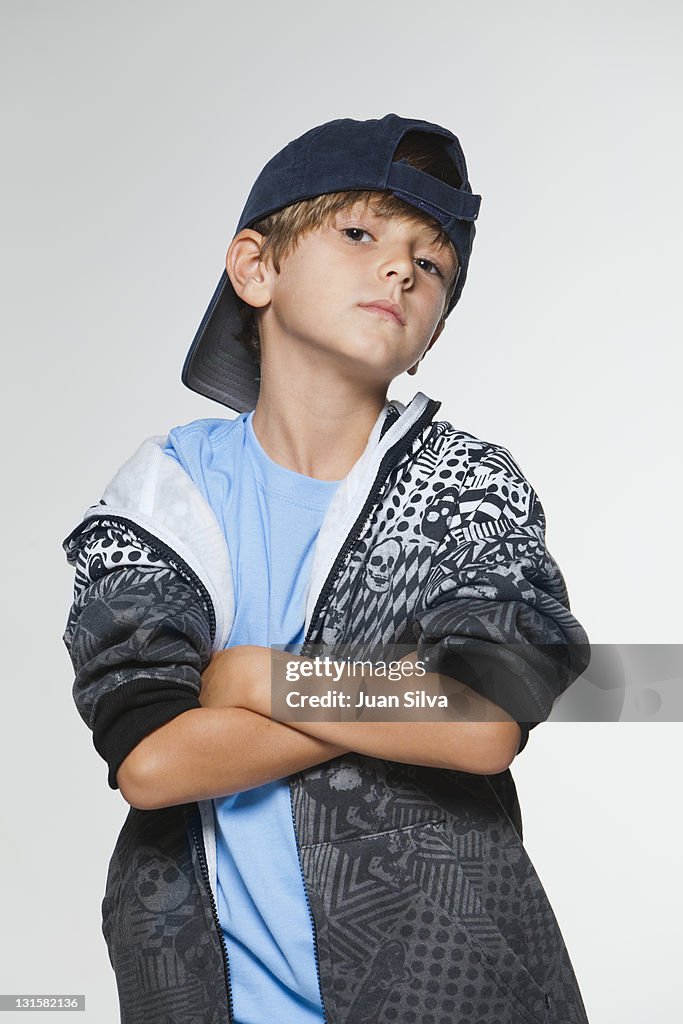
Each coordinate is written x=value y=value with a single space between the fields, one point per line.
x=212 y=752
x=483 y=748
x=469 y=734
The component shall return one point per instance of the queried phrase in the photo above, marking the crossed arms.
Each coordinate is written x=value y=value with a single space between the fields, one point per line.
x=177 y=723
x=230 y=743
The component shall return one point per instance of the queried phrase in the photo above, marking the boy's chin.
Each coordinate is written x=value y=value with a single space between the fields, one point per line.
x=370 y=369
x=366 y=358
x=372 y=355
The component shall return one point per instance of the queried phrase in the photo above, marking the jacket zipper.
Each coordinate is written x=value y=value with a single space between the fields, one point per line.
x=172 y=558
x=390 y=458
x=310 y=912
x=387 y=463
x=201 y=855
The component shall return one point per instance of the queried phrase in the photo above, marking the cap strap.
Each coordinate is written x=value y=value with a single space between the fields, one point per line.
x=425 y=188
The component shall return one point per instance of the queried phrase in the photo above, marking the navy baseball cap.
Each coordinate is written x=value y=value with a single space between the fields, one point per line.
x=339 y=156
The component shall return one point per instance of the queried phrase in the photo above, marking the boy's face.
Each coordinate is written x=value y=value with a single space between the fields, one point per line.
x=323 y=295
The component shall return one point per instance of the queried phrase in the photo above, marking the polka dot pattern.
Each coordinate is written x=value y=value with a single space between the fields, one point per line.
x=432 y=952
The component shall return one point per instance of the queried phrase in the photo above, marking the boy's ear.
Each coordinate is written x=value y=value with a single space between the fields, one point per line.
x=435 y=335
x=245 y=269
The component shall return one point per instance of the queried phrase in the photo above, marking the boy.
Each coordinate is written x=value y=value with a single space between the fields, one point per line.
x=338 y=871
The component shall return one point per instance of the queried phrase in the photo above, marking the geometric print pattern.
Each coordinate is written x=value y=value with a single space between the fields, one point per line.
x=425 y=901
x=417 y=917
x=101 y=545
x=137 y=624
x=453 y=559
x=158 y=927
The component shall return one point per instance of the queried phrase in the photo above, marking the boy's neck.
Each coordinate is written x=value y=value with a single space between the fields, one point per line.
x=315 y=431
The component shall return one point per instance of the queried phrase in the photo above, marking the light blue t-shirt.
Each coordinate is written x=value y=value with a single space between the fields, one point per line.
x=271 y=517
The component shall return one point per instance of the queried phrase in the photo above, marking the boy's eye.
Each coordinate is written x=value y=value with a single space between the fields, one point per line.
x=431 y=267
x=355 y=235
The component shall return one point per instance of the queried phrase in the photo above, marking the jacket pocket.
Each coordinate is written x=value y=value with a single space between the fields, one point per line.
x=404 y=933
x=488 y=902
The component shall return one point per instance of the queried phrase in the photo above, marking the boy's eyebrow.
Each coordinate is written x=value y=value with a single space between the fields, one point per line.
x=359 y=209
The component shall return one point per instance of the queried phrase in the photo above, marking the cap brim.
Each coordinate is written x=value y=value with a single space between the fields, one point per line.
x=217 y=365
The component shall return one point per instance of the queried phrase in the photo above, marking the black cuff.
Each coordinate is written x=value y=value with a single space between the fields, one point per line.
x=129 y=713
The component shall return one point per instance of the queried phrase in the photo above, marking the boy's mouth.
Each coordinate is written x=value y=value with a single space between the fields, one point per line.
x=388 y=310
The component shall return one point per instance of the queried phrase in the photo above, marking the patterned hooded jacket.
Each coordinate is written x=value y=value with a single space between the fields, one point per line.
x=424 y=905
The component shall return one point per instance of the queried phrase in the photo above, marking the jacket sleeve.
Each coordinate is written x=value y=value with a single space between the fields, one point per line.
x=495 y=613
x=139 y=634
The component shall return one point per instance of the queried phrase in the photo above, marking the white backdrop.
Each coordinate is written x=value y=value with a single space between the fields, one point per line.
x=132 y=133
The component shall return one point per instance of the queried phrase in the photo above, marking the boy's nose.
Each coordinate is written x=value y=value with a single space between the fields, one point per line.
x=398 y=266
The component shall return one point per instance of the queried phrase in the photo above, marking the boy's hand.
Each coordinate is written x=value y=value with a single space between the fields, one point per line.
x=238 y=677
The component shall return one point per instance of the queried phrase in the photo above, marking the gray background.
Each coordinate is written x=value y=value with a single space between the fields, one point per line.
x=131 y=134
